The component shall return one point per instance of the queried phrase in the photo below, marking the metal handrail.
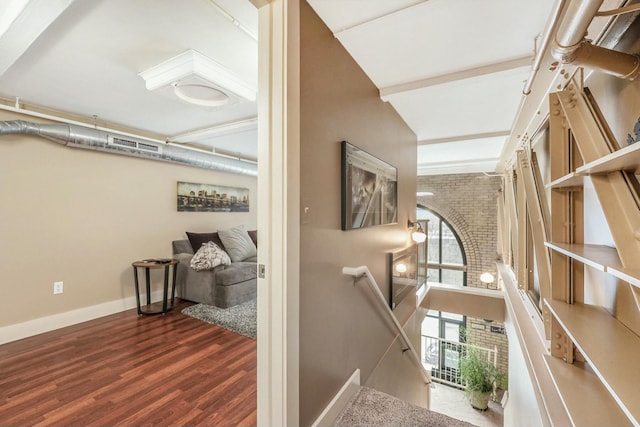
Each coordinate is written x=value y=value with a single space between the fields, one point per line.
x=363 y=271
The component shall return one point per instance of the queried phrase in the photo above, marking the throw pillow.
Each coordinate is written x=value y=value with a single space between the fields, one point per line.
x=208 y=257
x=238 y=243
x=198 y=239
x=254 y=236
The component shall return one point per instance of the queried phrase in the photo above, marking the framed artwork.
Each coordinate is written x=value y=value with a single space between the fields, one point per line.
x=404 y=277
x=369 y=189
x=193 y=197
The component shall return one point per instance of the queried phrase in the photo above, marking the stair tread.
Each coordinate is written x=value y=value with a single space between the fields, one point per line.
x=370 y=407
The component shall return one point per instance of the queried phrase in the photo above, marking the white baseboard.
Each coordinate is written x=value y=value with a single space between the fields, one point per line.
x=339 y=401
x=68 y=318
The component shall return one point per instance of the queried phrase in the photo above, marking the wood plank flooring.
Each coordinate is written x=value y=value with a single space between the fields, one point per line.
x=126 y=370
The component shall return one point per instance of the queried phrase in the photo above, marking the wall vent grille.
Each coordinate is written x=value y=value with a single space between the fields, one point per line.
x=124 y=142
x=148 y=147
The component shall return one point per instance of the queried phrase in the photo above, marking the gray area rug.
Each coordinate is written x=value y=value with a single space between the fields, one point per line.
x=372 y=408
x=240 y=319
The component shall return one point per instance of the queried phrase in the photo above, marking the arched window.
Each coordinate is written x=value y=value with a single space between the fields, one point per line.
x=446 y=260
x=441 y=331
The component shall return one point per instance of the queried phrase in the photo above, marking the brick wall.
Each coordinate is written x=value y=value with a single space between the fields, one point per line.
x=468 y=202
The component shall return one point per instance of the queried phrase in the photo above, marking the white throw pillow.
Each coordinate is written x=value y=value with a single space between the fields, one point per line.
x=209 y=256
x=238 y=243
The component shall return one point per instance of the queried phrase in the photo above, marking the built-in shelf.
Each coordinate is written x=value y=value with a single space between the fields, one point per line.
x=627 y=274
x=585 y=398
x=627 y=158
x=600 y=257
x=571 y=180
x=610 y=348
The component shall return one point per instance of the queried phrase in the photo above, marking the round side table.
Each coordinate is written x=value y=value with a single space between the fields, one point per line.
x=160 y=307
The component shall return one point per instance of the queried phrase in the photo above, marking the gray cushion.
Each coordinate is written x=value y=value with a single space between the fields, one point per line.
x=235 y=273
x=238 y=243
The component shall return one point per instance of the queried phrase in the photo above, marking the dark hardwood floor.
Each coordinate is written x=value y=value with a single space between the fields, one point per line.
x=126 y=370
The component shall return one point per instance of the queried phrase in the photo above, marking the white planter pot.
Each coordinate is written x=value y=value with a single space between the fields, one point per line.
x=480 y=400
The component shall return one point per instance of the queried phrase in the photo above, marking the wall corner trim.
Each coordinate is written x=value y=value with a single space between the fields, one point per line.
x=339 y=401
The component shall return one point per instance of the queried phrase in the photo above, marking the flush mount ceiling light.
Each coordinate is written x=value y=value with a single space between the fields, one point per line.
x=199 y=80
x=198 y=94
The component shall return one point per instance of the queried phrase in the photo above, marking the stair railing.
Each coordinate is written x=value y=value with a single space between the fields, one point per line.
x=363 y=271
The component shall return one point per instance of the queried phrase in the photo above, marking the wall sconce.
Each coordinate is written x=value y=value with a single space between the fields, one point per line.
x=417 y=233
x=487 y=278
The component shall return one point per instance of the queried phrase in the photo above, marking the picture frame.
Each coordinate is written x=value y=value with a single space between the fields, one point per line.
x=404 y=276
x=197 y=197
x=369 y=189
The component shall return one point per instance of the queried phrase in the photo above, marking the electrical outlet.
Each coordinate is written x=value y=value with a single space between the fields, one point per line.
x=58 y=287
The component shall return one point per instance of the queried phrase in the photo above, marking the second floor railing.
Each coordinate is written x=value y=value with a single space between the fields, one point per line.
x=442 y=357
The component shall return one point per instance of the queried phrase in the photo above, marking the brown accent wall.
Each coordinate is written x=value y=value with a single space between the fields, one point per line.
x=340 y=328
x=81 y=217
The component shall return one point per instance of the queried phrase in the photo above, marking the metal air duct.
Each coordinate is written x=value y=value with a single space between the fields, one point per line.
x=571 y=47
x=94 y=139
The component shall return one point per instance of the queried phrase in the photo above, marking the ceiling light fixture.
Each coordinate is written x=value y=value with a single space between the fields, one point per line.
x=200 y=94
x=199 y=80
x=424 y=193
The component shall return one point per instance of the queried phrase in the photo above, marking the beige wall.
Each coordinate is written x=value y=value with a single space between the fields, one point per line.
x=81 y=217
x=340 y=328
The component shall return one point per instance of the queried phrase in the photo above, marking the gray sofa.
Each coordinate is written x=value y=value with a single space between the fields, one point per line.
x=224 y=286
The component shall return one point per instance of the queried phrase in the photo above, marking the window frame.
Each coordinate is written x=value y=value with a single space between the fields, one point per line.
x=440 y=265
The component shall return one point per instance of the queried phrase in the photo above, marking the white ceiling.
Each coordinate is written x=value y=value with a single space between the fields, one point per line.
x=83 y=57
x=453 y=69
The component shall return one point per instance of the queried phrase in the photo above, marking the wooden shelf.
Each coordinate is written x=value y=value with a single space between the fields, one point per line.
x=627 y=158
x=583 y=395
x=572 y=180
x=600 y=257
x=626 y=274
x=609 y=347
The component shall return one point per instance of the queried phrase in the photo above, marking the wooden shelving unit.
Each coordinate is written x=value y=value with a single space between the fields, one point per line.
x=602 y=390
x=599 y=257
x=629 y=275
x=627 y=158
x=571 y=180
x=590 y=404
x=609 y=347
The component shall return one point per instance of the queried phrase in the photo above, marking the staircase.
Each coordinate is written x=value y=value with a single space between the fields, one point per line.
x=372 y=408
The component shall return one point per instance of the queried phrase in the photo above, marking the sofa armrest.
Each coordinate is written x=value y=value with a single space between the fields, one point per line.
x=194 y=285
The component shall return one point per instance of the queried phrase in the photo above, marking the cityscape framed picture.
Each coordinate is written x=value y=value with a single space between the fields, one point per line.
x=196 y=197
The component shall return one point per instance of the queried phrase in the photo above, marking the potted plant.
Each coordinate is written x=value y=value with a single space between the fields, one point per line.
x=480 y=378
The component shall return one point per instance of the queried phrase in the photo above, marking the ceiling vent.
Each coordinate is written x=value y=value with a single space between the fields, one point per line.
x=113 y=140
x=198 y=80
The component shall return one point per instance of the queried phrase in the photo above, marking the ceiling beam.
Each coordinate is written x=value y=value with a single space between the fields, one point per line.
x=497 y=67
x=217 y=130
x=28 y=22
x=458 y=167
x=259 y=3
x=459 y=138
x=458 y=162
x=340 y=33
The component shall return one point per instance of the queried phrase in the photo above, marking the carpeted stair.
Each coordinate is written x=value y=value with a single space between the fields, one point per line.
x=372 y=408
